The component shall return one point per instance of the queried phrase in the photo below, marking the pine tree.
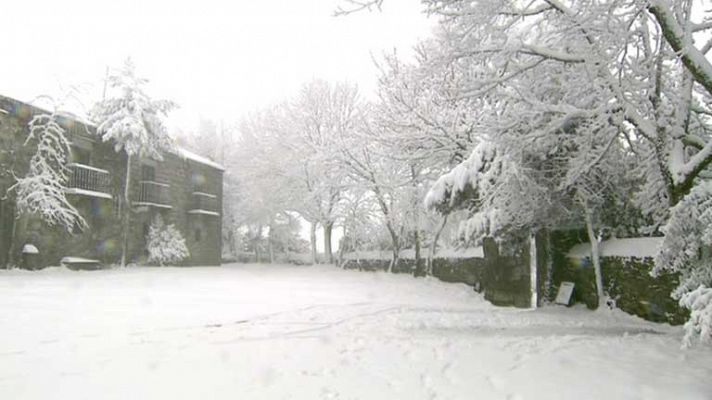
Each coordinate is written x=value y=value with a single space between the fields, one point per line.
x=133 y=122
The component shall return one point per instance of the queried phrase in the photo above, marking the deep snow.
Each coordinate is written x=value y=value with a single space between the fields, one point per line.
x=274 y=332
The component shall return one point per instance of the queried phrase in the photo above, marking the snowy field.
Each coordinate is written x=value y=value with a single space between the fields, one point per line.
x=281 y=332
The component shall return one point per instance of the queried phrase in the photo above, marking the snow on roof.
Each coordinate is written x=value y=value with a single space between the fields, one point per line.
x=29 y=249
x=630 y=247
x=409 y=254
x=180 y=151
x=468 y=252
x=78 y=260
x=187 y=154
x=78 y=118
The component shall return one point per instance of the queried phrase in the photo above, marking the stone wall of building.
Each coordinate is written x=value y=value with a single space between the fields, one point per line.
x=202 y=232
x=102 y=240
x=52 y=242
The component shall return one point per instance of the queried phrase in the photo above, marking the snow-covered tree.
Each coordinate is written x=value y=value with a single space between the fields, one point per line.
x=287 y=156
x=42 y=190
x=131 y=120
x=319 y=119
x=261 y=172
x=615 y=62
x=165 y=243
x=687 y=250
x=429 y=120
x=370 y=166
x=426 y=124
x=699 y=326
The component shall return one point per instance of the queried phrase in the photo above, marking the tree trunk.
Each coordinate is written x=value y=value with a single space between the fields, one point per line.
x=342 y=248
x=312 y=241
x=533 y=270
x=419 y=269
x=433 y=245
x=594 y=254
x=693 y=59
x=394 y=260
x=396 y=248
x=256 y=244
x=11 y=259
x=269 y=245
x=232 y=242
x=125 y=213
x=328 y=227
x=3 y=204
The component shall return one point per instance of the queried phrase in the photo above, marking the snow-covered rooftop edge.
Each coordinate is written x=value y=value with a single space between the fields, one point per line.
x=180 y=151
x=470 y=252
x=187 y=154
x=631 y=247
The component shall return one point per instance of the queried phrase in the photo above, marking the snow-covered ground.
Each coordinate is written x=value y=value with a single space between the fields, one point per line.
x=281 y=332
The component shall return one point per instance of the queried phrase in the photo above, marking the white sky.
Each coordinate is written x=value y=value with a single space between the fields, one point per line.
x=217 y=59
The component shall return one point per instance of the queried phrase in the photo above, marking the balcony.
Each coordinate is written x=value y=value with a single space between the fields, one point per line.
x=154 y=194
x=205 y=204
x=88 y=181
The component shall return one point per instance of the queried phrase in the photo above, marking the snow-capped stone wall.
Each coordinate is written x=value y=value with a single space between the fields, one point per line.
x=504 y=280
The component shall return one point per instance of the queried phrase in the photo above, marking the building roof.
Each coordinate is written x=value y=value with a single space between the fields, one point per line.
x=179 y=151
x=189 y=155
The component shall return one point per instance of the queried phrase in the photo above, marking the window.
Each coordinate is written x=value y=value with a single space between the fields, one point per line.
x=148 y=173
x=198 y=234
x=80 y=155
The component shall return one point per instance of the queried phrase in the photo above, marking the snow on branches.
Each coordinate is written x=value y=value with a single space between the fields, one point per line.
x=688 y=241
x=165 y=244
x=132 y=120
x=687 y=250
x=498 y=193
x=476 y=174
x=42 y=190
x=699 y=302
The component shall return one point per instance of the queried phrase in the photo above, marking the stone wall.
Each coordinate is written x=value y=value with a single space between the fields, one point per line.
x=626 y=280
x=504 y=280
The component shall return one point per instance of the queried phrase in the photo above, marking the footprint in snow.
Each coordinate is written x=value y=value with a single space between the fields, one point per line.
x=446 y=372
x=328 y=394
x=495 y=381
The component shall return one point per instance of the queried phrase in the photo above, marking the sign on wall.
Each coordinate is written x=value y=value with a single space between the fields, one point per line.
x=563 y=296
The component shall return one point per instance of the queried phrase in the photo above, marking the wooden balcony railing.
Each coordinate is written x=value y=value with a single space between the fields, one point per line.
x=88 y=180
x=204 y=203
x=155 y=194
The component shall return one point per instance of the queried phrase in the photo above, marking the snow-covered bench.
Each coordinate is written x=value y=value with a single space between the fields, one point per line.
x=80 y=263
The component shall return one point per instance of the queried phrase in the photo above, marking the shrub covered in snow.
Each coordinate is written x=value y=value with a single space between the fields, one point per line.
x=688 y=235
x=685 y=250
x=699 y=301
x=165 y=243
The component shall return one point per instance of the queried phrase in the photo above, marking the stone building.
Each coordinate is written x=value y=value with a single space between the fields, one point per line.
x=184 y=188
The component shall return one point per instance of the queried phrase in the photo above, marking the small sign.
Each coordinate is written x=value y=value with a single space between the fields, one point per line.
x=564 y=294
